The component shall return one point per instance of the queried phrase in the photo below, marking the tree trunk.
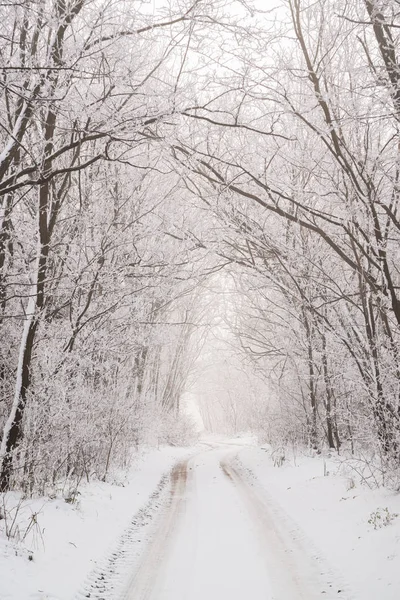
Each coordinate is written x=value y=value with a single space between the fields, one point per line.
x=332 y=435
x=311 y=382
x=12 y=431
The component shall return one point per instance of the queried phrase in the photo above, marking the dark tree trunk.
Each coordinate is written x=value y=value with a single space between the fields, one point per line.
x=15 y=432
x=312 y=392
x=331 y=430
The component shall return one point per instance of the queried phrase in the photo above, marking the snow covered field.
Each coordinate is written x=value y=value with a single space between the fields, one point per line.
x=229 y=525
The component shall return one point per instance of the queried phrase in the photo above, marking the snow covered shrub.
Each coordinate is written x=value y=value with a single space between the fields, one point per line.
x=278 y=457
x=76 y=427
x=18 y=521
x=177 y=430
x=370 y=467
x=381 y=517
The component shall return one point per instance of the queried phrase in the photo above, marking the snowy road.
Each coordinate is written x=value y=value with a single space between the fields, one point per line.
x=220 y=539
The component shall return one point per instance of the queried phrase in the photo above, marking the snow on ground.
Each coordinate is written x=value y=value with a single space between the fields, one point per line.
x=71 y=539
x=221 y=537
x=332 y=513
x=205 y=547
x=311 y=523
x=217 y=540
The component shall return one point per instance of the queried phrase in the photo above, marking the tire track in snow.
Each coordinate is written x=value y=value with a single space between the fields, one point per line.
x=167 y=564
x=294 y=572
x=144 y=579
x=108 y=579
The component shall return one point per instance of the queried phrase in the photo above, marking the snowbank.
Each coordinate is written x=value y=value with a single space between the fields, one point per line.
x=70 y=539
x=338 y=519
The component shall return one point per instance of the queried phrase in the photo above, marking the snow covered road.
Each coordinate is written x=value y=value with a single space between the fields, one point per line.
x=220 y=538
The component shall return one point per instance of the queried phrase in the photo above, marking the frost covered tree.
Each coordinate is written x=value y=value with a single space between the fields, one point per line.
x=144 y=151
x=300 y=141
x=84 y=89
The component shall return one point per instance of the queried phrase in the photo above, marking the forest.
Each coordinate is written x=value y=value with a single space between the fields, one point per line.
x=187 y=180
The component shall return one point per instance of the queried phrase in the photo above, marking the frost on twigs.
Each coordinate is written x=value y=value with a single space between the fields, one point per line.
x=177 y=431
x=370 y=468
